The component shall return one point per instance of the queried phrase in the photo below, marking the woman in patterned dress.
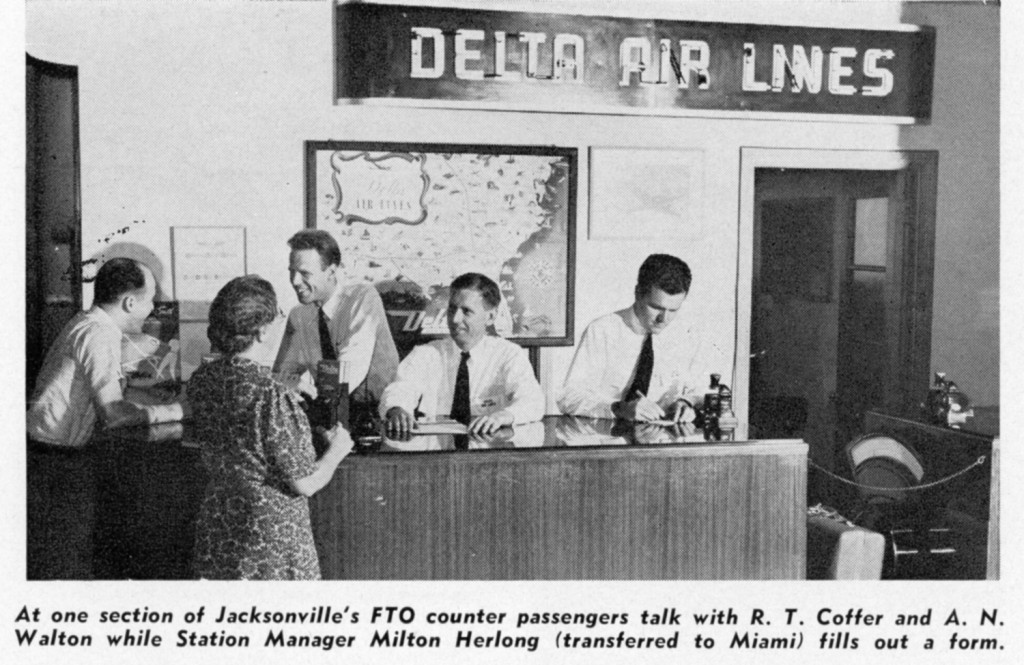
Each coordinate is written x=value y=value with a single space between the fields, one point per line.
x=257 y=449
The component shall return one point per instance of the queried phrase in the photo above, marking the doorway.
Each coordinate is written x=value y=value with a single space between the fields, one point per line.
x=840 y=291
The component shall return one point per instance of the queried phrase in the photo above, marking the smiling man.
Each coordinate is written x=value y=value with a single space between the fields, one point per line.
x=80 y=386
x=335 y=321
x=631 y=364
x=483 y=381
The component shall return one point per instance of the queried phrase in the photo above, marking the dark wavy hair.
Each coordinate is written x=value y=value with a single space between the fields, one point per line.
x=483 y=284
x=241 y=308
x=322 y=241
x=668 y=273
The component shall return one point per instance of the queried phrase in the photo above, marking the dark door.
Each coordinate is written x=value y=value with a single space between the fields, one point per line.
x=53 y=279
x=841 y=299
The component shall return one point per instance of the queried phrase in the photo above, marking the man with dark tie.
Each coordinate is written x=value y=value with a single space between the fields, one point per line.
x=478 y=379
x=335 y=321
x=632 y=364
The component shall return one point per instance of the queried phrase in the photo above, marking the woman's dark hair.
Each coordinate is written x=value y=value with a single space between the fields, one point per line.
x=241 y=308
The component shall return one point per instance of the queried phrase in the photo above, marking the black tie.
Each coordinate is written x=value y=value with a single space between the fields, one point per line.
x=642 y=376
x=327 y=350
x=460 y=400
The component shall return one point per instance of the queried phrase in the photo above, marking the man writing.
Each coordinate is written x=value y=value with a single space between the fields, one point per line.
x=482 y=381
x=630 y=364
x=335 y=321
x=79 y=384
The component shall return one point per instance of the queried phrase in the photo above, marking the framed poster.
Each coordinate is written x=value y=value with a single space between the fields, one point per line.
x=411 y=217
x=203 y=259
x=646 y=193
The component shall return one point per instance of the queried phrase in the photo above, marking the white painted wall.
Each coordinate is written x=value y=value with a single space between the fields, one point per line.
x=197 y=115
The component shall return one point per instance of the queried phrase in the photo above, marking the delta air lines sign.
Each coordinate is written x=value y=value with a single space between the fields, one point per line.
x=430 y=56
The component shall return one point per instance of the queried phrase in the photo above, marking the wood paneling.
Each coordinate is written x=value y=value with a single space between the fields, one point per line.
x=717 y=511
x=615 y=509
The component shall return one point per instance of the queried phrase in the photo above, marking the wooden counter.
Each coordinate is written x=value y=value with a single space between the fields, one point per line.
x=567 y=499
x=562 y=499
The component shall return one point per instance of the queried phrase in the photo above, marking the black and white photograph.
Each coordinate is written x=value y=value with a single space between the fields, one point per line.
x=482 y=331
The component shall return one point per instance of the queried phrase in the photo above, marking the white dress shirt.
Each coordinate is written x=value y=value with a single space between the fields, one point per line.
x=359 y=331
x=606 y=358
x=82 y=372
x=500 y=379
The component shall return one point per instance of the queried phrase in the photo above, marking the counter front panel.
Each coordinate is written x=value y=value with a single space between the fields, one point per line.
x=567 y=499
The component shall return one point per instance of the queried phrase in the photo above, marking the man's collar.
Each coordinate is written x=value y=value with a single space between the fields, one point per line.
x=330 y=305
x=633 y=322
x=476 y=347
x=104 y=315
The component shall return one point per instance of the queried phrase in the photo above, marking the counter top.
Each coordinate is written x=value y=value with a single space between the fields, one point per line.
x=552 y=433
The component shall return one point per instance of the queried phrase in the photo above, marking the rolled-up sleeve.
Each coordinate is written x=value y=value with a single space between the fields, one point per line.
x=99 y=355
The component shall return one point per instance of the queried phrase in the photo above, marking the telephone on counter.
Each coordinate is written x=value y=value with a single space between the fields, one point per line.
x=715 y=415
x=946 y=405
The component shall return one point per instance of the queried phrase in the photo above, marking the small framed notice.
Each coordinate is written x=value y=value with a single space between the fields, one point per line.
x=646 y=193
x=203 y=259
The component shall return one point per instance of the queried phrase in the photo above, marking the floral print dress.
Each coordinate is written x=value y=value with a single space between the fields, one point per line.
x=254 y=439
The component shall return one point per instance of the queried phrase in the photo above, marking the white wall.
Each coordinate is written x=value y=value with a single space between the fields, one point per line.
x=198 y=117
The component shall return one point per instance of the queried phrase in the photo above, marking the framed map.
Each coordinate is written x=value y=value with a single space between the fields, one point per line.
x=409 y=218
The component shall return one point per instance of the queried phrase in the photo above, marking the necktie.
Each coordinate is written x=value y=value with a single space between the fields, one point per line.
x=327 y=350
x=644 y=367
x=460 y=400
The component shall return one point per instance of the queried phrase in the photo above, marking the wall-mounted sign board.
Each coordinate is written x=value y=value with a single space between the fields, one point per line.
x=555 y=62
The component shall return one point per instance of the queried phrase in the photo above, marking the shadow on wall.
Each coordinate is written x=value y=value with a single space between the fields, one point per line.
x=128 y=250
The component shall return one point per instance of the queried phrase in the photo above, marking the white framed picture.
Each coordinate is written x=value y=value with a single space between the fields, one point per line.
x=645 y=192
x=203 y=259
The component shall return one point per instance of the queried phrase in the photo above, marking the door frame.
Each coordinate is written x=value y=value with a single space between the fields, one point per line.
x=914 y=295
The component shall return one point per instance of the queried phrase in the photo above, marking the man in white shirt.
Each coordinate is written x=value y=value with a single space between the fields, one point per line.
x=81 y=382
x=344 y=322
x=483 y=381
x=631 y=365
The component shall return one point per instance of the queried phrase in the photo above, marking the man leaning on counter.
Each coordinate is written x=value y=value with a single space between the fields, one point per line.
x=81 y=382
x=334 y=321
x=634 y=364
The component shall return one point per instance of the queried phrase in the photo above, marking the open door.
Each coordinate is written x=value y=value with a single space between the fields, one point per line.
x=840 y=302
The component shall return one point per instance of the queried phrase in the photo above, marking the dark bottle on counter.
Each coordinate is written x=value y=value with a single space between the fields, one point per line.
x=936 y=405
x=332 y=396
x=726 y=417
x=711 y=410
